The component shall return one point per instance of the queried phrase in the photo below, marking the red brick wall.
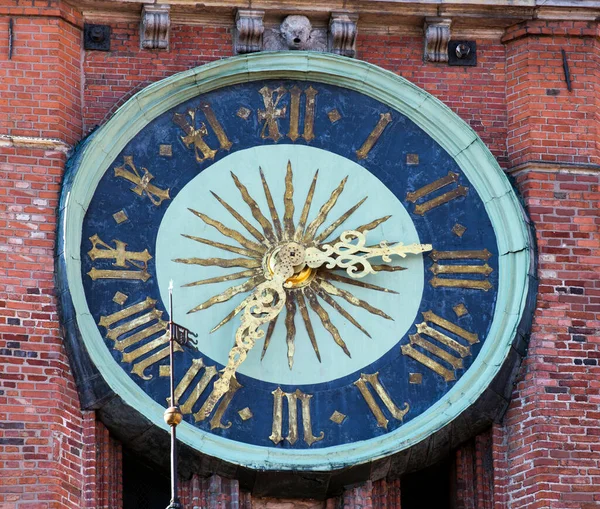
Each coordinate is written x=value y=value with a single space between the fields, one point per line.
x=215 y=492
x=41 y=427
x=546 y=452
x=113 y=77
x=40 y=87
x=547 y=122
x=476 y=94
x=41 y=435
x=473 y=475
x=106 y=467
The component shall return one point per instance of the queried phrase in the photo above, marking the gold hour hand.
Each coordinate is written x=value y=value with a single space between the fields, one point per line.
x=266 y=303
x=352 y=253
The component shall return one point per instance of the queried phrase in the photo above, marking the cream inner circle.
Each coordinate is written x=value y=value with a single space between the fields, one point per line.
x=405 y=287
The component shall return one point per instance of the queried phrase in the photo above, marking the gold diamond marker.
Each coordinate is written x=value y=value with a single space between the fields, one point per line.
x=460 y=310
x=120 y=298
x=412 y=159
x=334 y=116
x=415 y=378
x=459 y=230
x=164 y=370
x=165 y=150
x=337 y=417
x=243 y=113
x=245 y=414
x=120 y=217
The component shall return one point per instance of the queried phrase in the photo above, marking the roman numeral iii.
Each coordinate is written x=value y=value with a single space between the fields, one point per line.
x=456 y=269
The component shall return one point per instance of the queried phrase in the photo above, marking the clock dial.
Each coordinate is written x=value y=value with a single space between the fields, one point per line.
x=324 y=332
x=202 y=217
x=215 y=191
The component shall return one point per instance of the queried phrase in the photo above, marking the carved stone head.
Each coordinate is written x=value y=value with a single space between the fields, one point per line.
x=295 y=32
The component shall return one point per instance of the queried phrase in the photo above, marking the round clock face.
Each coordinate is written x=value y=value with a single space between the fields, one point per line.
x=209 y=188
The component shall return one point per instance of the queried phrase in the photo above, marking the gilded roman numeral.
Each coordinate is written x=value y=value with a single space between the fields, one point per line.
x=273 y=113
x=128 y=171
x=194 y=136
x=209 y=373
x=478 y=273
x=384 y=120
x=435 y=201
x=373 y=380
x=292 y=402
x=135 y=261
x=309 y=113
x=428 y=351
x=134 y=324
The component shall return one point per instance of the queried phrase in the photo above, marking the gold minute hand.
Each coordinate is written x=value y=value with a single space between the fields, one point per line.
x=352 y=254
x=266 y=303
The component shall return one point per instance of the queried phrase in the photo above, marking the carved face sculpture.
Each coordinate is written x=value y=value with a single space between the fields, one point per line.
x=295 y=31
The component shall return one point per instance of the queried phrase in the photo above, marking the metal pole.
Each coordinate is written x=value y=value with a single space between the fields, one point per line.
x=172 y=414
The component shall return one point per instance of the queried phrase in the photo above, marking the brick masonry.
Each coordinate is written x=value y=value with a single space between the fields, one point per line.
x=545 y=453
x=547 y=122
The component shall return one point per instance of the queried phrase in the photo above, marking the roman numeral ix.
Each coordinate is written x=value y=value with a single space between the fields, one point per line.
x=132 y=264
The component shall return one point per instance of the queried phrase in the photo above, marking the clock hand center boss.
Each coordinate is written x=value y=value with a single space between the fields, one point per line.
x=292 y=265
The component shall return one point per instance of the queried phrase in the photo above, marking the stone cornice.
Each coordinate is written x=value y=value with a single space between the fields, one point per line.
x=477 y=17
x=545 y=166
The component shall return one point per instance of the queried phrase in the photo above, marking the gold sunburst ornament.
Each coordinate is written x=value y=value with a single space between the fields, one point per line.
x=288 y=265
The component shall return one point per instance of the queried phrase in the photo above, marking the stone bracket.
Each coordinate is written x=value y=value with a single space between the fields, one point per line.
x=249 y=31
x=155 y=26
x=437 y=37
x=342 y=34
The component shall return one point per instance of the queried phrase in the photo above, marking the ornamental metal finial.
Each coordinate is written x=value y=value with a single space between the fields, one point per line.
x=172 y=416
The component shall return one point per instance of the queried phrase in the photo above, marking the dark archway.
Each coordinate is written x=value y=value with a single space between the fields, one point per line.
x=143 y=487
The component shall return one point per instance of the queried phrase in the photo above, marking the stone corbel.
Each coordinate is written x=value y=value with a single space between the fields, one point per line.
x=155 y=26
x=437 y=37
x=342 y=34
x=249 y=31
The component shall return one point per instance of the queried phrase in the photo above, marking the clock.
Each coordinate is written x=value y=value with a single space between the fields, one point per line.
x=354 y=263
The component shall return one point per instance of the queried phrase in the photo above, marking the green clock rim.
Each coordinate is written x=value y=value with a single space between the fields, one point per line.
x=431 y=115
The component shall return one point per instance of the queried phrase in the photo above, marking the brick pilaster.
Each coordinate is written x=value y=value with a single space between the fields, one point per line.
x=547 y=452
x=547 y=122
x=43 y=433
